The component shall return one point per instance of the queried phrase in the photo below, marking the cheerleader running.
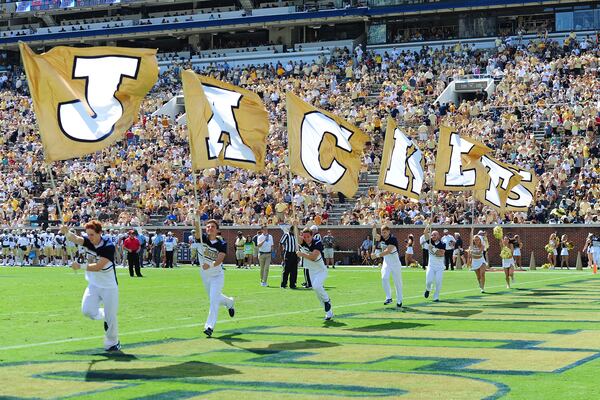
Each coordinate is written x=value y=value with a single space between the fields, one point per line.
x=477 y=261
x=508 y=262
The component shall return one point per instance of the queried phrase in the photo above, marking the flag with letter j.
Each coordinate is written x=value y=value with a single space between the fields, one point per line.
x=85 y=99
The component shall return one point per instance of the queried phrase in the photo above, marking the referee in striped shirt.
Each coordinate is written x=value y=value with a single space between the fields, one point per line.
x=290 y=268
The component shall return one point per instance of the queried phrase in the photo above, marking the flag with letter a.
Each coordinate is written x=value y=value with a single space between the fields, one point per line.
x=453 y=155
x=86 y=98
x=402 y=164
x=323 y=147
x=227 y=125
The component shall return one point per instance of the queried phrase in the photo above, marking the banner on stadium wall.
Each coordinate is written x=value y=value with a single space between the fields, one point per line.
x=227 y=125
x=85 y=99
x=453 y=155
x=402 y=164
x=323 y=147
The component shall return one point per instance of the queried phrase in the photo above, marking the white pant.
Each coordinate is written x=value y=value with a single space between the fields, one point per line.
x=434 y=275
x=214 y=287
x=90 y=307
x=317 y=278
x=595 y=256
x=395 y=270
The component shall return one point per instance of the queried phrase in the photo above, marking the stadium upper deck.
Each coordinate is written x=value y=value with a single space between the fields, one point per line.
x=187 y=25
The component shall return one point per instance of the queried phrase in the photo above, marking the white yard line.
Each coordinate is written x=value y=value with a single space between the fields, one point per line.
x=336 y=306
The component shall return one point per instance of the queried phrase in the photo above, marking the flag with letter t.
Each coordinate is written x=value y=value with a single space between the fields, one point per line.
x=402 y=163
x=456 y=166
x=323 y=147
x=227 y=125
x=85 y=99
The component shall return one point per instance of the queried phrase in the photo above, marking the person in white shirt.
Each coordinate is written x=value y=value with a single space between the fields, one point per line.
x=435 y=267
x=449 y=242
x=311 y=253
x=265 y=245
x=23 y=249
x=388 y=249
x=170 y=246
x=48 y=249
x=102 y=281
x=211 y=254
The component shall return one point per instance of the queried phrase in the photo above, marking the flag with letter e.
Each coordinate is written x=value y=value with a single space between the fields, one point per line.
x=402 y=163
x=501 y=179
x=453 y=155
x=323 y=147
x=85 y=99
x=227 y=125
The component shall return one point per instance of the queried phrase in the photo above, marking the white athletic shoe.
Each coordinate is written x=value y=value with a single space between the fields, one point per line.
x=329 y=315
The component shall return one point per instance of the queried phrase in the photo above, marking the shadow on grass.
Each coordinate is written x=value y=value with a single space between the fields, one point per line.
x=333 y=324
x=388 y=326
x=232 y=338
x=517 y=304
x=292 y=346
x=459 y=313
x=190 y=369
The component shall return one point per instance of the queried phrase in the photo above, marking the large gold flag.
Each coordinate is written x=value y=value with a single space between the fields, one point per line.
x=402 y=163
x=453 y=155
x=86 y=98
x=323 y=147
x=522 y=195
x=227 y=125
x=501 y=179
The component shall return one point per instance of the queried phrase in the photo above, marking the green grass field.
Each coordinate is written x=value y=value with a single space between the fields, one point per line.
x=539 y=340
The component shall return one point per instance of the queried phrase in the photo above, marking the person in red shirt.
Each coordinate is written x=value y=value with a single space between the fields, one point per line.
x=132 y=245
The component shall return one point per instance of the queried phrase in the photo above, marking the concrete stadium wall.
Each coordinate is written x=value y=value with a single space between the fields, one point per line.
x=349 y=238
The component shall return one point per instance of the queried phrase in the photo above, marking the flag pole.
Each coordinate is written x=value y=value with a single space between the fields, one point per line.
x=56 y=199
x=294 y=216
x=197 y=206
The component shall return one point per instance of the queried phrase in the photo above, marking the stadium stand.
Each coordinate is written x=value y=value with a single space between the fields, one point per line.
x=541 y=112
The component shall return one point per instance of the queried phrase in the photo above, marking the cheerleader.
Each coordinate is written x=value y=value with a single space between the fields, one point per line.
x=564 y=252
x=508 y=262
x=551 y=249
x=477 y=260
x=409 y=256
x=518 y=245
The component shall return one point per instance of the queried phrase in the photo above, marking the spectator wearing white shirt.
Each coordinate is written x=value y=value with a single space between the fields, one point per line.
x=265 y=245
x=170 y=246
x=449 y=242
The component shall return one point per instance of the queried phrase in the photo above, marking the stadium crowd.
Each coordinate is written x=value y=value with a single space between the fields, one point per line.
x=544 y=115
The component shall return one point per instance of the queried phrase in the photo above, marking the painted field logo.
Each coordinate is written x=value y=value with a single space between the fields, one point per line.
x=379 y=357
